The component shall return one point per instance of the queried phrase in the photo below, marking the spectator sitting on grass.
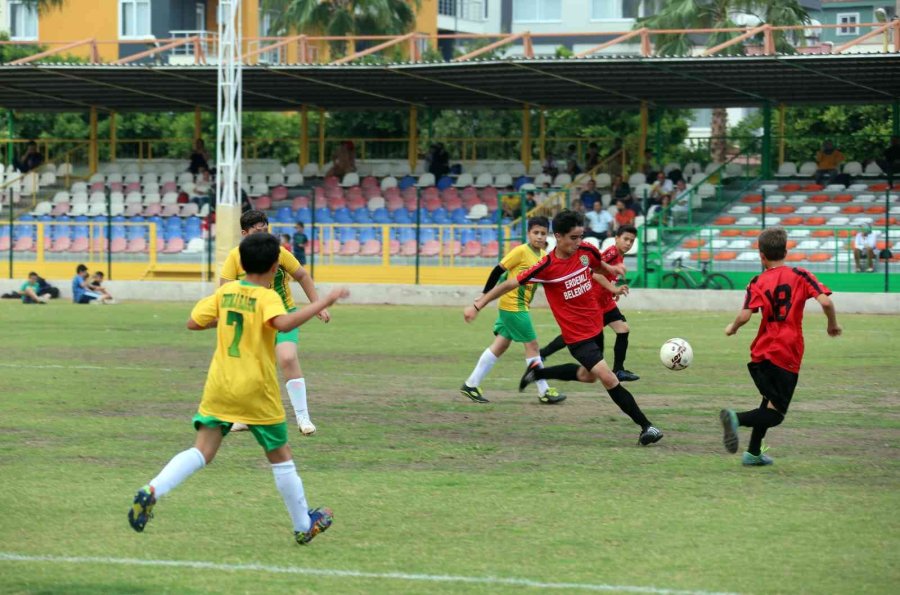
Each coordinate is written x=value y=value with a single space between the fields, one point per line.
x=81 y=289
x=30 y=291
x=96 y=286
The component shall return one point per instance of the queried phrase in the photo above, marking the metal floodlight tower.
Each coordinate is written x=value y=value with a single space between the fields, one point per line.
x=228 y=128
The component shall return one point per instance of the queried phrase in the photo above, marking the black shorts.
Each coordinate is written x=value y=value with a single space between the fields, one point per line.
x=589 y=352
x=774 y=383
x=612 y=316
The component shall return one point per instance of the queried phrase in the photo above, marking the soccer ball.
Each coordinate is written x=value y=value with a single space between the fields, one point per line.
x=676 y=354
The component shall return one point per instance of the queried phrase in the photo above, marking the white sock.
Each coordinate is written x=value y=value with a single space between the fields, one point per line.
x=484 y=365
x=288 y=483
x=541 y=384
x=296 y=389
x=182 y=466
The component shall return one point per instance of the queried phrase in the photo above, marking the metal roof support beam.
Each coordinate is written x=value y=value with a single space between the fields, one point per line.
x=319 y=81
x=491 y=46
x=705 y=81
x=376 y=48
x=620 y=39
x=52 y=52
x=880 y=30
x=163 y=48
x=735 y=40
x=834 y=78
x=456 y=86
x=62 y=74
x=576 y=81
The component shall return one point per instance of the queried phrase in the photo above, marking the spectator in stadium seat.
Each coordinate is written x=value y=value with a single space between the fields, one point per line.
x=572 y=167
x=890 y=165
x=864 y=243
x=828 y=159
x=578 y=207
x=199 y=159
x=344 y=160
x=31 y=291
x=589 y=195
x=621 y=190
x=624 y=215
x=438 y=160
x=592 y=159
x=550 y=167
x=30 y=159
x=662 y=190
x=599 y=222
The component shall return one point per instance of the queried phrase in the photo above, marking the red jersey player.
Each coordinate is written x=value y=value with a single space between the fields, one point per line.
x=779 y=294
x=568 y=275
x=612 y=316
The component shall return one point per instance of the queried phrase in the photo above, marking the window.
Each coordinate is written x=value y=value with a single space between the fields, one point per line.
x=623 y=9
x=23 y=21
x=848 y=18
x=537 y=11
x=134 y=19
x=605 y=9
x=199 y=17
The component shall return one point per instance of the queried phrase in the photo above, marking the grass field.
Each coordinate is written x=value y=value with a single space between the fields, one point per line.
x=433 y=493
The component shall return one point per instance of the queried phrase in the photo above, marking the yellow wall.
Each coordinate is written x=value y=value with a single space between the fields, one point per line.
x=426 y=18
x=83 y=19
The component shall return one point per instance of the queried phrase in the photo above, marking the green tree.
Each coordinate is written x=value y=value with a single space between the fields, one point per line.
x=721 y=14
x=44 y=6
x=343 y=17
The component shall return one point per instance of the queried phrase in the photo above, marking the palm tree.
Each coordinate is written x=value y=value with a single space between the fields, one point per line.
x=722 y=14
x=44 y=6
x=343 y=17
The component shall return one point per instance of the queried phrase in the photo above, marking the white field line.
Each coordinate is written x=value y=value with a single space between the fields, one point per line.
x=335 y=573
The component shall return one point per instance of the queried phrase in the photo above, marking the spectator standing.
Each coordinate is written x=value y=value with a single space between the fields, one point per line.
x=624 y=215
x=31 y=159
x=592 y=159
x=864 y=243
x=199 y=159
x=31 y=291
x=590 y=195
x=891 y=162
x=572 y=167
x=550 y=167
x=828 y=159
x=438 y=161
x=600 y=222
x=300 y=242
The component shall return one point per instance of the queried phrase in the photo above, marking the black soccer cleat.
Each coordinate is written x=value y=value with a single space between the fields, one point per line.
x=626 y=376
x=528 y=377
x=729 y=430
x=649 y=436
x=473 y=393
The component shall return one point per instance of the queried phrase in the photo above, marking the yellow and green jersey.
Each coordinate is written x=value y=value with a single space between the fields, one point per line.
x=519 y=259
x=242 y=384
x=287 y=266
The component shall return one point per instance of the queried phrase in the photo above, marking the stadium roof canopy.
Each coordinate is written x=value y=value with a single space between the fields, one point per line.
x=510 y=83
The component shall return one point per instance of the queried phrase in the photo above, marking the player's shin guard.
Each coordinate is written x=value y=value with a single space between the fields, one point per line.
x=619 y=351
x=621 y=397
x=291 y=488
x=566 y=372
x=182 y=466
x=552 y=347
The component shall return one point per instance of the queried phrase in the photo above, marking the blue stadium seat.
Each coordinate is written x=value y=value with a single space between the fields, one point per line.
x=118 y=231
x=458 y=216
x=440 y=217
x=466 y=235
x=45 y=218
x=82 y=219
x=81 y=231
x=406 y=234
x=345 y=234
x=488 y=235
x=342 y=215
x=303 y=215
x=401 y=215
x=427 y=234
x=444 y=183
x=4 y=231
x=366 y=234
x=361 y=215
x=323 y=215
x=190 y=234
x=283 y=215
x=135 y=231
x=521 y=181
x=406 y=182
x=381 y=216
x=26 y=218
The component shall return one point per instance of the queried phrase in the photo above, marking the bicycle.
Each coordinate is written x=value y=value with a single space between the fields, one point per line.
x=679 y=279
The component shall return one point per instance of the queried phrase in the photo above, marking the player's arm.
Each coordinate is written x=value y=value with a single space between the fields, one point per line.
x=204 y=315
x=834 y=329
x=609 y=286
x=481 y=301
x=302 y=277
x=229 y=270
x=492 y=279
x=617 y=269
x=194 y=326
x=288 y=322
x=742 y=318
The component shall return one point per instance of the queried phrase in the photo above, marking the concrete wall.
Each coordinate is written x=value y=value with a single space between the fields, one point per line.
x=460 y=296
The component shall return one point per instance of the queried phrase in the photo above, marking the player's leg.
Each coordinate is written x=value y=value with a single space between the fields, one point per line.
x=552 y=347
x=776 y=386
x=471 y=388
x=295 y=383
x=870 y=260
x=306 y=523
x=615 y=320
x=546 y=393
x=210 y=432
x=856 y=257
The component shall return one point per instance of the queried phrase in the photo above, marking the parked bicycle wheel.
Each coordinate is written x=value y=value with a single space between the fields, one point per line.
x=674 y=281
x=718 y=281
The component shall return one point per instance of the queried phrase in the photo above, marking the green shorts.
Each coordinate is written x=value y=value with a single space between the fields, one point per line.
x=269 y=437
x=290 y=336
x=515 y=326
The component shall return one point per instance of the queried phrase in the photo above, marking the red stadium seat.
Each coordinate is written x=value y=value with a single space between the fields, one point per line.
x=693 y=243
x=730 y=233
x=724 y=220
x=817 y=198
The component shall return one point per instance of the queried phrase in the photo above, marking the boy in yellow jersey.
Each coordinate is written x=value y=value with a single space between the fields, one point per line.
x=513 y=320
x=285 y=343
x=242 y=385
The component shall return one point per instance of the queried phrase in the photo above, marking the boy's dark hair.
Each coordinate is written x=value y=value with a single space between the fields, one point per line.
x=626 y=229
x=80 y=269
x=252 y=218
x=566 y=220
x=773 y=243
x=538 y=221
x=32 y=274
x=259 y=251
x=98 y=274
x=300 y=223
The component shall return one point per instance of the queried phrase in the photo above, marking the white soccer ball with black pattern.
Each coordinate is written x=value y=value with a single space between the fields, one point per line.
x=676 y=354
